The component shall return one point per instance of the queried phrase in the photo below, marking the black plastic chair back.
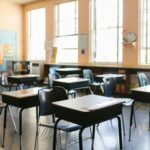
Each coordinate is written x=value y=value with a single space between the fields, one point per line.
x=47 y=96
x=143 y=80
x=52 y=70
x=52 y=77
x=87 y=73
x=109 y=86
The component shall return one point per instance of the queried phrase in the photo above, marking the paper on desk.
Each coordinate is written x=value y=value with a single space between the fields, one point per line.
x=101 y=105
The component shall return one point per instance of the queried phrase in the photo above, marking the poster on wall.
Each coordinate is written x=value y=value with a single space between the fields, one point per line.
x=8 y=48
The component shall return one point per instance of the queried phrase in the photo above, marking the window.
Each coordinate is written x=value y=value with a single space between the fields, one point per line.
x=36 y=34
x=66 y=32
x=145 y=32
x=106 y=31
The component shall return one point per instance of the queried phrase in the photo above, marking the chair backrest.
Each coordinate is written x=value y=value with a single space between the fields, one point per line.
x=87 y=73
x=52 y=70
x=109 y=86
x=143 y=80
x=47 y=96
x=52 y=77
x=4 y=79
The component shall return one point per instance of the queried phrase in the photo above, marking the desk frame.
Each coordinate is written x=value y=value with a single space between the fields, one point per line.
x=72 y=83
x=86 y=117
x=140 y=94
x=26 y=79
x=28 y=99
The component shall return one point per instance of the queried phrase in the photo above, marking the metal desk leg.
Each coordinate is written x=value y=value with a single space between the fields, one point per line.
x=4 y=123
x=37 y=115
x=131 y=116
x=10 y=87
x=120 y=132
x=20 y=125
x=149 y=117
x=93 y=133
x=93 y=136
x=55 y=133
x=80 y=138
x=20 y=121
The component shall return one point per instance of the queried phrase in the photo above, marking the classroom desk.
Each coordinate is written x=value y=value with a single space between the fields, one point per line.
x=87 y=111
x=22 y=99
x=109 y=75
x=97 y=68
x=72 y=83
x=119 y=78
x=68 y=71
x=27 y=79
x=140 y=94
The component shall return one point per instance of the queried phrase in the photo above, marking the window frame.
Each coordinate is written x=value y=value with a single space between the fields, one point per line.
x=145 y=37
x=94 y=29
x=28 y=28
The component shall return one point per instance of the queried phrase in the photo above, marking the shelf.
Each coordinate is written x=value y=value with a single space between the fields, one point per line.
x=129 y=43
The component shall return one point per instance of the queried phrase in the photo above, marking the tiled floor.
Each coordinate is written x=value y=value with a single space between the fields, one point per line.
x=106 y=134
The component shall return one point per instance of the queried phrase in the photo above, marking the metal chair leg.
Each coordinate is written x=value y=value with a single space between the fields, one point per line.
x=123 y=124
x=149 y=116
x=131 y=116
x=12 y=119
x=55 y=133
x=4 y=124
x=60 y=139
x=80 y=139
x=66 y=140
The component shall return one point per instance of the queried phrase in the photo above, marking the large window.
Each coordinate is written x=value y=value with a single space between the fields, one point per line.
x=66 y=32
x=106 y=31
x=145 y=32
x=36 y=34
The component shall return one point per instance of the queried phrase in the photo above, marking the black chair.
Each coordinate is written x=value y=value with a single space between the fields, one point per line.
x=52 y=70
x=143 y=81
x=52 y=76
x=109 y=86
x=95 y=86
x=46 y=97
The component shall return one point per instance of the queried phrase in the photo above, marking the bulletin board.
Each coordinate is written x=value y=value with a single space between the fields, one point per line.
x=8 y=48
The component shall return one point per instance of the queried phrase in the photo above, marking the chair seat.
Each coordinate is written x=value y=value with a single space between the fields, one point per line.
x=95 y=84
x=67 y=127
x=127 y=101
x=72 y=92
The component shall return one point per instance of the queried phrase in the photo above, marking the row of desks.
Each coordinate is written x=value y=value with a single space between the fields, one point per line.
x=27 y=79
x=83 y=108
x=92 y=106
x=71 y=71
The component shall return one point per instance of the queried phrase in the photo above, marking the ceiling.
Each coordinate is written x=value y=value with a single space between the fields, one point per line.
x=22 y=1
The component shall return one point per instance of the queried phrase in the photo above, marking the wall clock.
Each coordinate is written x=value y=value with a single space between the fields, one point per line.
x=130 y=37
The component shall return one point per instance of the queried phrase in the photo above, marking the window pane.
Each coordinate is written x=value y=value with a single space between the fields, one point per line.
x=66 y=32
x=67 y=42
x=145 y=32
x=66 y=55
x=36 y=34
x=106 y=30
